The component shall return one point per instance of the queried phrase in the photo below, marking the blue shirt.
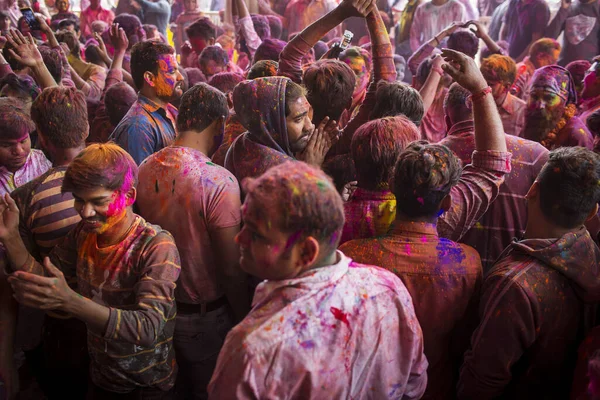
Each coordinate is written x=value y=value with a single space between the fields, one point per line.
x=145 y=129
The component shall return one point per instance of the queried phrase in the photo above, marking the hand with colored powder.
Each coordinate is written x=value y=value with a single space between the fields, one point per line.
x=463 y=70
x=321 y=139
x=357 y=8
x=118 y=38
x=9 y=218
x=24 y=49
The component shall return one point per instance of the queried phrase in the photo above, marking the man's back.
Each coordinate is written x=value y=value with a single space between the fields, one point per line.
x=506 y=217
x=443 y=278
x=523 y=19
x=181 y=190
x=340 y=331
x=532 y=319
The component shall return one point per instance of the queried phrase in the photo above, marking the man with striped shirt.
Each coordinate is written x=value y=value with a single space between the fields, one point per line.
x=126 y=270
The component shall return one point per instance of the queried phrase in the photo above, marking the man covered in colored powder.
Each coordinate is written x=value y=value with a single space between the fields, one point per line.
x=506 y=216
x=442 y=276
x=579 y=20
x=432 y=17
x=46 y=217
x=500 y=73
x=524 y=22
x=277 y=116
x=126 y=271
x=551 y=107
x=534 y=300
x=322 y=326
x=150 y=123
x=376 y=147
x=543 y=52
x=199 y=203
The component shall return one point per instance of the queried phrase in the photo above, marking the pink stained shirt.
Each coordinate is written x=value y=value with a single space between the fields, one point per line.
x=181 y=190
x=512 y=114
x=36 y=165
x=429 y=20
x=88 y=16
x=368 y=214
x=343 y=331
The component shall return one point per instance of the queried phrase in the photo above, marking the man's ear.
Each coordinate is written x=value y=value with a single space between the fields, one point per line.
x=131 y=196
x=310 y=252
x=149 y=78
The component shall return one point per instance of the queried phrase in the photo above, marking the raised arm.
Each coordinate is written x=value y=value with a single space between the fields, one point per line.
x=290 y=60
x=482 y=34
x=557 y=25
x=428 y=47
x=25 y=51
x=480 y=182
x=245 y=27
x=429 y=89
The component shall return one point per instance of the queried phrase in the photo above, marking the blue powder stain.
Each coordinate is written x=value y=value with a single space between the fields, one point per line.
x=448 y=251
x=308 y=344
x=395 y=388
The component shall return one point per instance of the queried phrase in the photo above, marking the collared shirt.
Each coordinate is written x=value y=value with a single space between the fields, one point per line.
x=443 y=279
x=525 y=72
x=181 y=190
x=88 y=16
x=506 y=217
x=368 y=214
x=342 y=331
x=135 y=279
x=512 y=114
x=146 y=128
x=431 y=19
x=35 y=165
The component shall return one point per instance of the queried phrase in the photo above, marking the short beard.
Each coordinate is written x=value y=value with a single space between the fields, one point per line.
x=539 y=123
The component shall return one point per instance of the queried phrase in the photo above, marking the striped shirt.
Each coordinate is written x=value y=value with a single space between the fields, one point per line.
x=47 y=215
x=135 y=279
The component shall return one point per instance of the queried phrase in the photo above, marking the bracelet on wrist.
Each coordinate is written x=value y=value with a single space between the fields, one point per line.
x=481 y=94
x=439 y=70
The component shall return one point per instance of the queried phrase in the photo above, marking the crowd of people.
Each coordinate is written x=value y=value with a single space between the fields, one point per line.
x=262 y=207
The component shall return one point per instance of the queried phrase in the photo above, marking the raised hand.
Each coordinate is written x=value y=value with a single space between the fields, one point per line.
x=476 y=27
x=43 y=25
x=322 y=138
x=463 y=70
x=118 y=38
x=9 y=218
x=24 y=50
x=357 y=8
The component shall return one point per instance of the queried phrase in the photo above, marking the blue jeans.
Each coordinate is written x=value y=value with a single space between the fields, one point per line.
x=197 y=341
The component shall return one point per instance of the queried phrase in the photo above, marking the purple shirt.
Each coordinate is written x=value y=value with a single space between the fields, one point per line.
x=523 y=19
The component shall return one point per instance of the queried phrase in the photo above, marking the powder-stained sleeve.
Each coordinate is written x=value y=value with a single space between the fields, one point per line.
x=95 y=84
x=290 y=59
x=508 y=316
x=136 y=137
x=154 y=292
x=478 y=186
x=417 y=58
x=236 y=378
x=245 y=29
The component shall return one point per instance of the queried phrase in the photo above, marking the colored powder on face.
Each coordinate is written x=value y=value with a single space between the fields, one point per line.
x=340 y=315
x=165 y=84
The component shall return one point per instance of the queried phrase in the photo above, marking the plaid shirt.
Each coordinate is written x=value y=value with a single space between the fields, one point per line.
x=146 y=128
x=443 y=279
x=507 y=215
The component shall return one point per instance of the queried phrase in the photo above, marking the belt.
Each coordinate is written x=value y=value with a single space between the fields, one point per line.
x=201 y=308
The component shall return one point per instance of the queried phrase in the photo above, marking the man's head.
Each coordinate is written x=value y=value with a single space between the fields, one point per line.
x=194 y=76
x=566 y=191
x=457 y=105
x=226 y=82
x=154 y=68
x=132 y=26
x=261 y=26
x=591 y=81
x=423 y=71
x=95 y=4
x=269 y=49
x=118 y=99
x=201 y=33
x=400 y=64
x=500 y=73
x=102 y=179
x=376 y=147
x=550 y=92
x=578 y=70
x=70 y=25
x=330 y=85
x=63 y=5
x=203 y=107
x=465 y=41
x=424 y=175
x=4 y=21
x=61 y=118
x=15 y=127
x=263 y=69
x=70 y=39
x=359 y=61
x=320 y=49
x=152 y=33
x=293 y=217
x=275 y=25
x=21 y=87
x=190 y=5
x=53 y=62
x=297 y=117
x=544 y=52
x=397 y=98
x=213 y=60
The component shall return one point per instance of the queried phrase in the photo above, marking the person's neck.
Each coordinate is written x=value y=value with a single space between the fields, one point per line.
x=401 y=218
x=500 y=100
x=151 y=94
x=439 y=2
x=331 y=259
x=116 y=233
x=62 y=157
x=544 y=230
x=195 y=140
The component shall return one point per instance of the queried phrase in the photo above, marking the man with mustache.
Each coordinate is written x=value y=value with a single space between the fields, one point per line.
x=550 y=116
x=149 y=125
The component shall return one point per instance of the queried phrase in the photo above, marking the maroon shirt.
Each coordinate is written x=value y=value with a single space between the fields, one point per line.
x=507 y=215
